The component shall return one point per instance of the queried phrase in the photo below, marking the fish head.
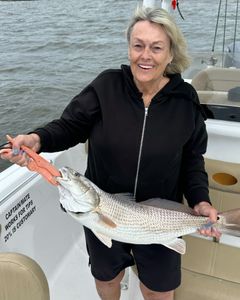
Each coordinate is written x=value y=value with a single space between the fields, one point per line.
x=77 y=194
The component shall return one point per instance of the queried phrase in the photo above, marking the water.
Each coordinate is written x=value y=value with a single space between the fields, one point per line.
x=50 y=49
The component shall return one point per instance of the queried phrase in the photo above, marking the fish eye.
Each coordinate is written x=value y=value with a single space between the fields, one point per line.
x=77 y=174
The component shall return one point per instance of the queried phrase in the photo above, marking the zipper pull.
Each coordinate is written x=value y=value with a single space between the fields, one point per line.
x=146 y=111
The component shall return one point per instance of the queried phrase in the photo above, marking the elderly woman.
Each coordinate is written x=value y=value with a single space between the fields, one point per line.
x=146 y=136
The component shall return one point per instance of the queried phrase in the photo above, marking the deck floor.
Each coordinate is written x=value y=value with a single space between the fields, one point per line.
x=73 y=279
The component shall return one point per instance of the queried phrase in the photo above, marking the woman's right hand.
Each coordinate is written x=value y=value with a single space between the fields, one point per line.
x=16 y=155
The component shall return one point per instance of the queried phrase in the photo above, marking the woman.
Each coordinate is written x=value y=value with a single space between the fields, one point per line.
x=146 y=136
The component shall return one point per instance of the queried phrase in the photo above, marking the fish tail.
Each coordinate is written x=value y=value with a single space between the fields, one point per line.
x=230 y=222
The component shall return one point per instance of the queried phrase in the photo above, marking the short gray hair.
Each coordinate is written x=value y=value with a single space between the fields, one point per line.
x=178 y=45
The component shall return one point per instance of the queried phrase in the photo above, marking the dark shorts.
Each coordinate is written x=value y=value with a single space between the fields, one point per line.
x=159 y=268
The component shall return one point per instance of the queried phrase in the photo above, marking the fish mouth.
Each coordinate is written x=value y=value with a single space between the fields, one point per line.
x=60 y=179
x=63 y=177
x=67 y=174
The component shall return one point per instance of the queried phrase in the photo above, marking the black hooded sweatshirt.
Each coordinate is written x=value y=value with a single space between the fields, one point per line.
x=155 y=151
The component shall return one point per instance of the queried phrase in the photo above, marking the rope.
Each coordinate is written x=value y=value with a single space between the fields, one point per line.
x=235 y=28
x=224 y=31
x=225 y=28
x=216 y=28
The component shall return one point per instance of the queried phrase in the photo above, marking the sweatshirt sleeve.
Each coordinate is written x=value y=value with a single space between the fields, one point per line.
x=74 y=125
x=195 y=178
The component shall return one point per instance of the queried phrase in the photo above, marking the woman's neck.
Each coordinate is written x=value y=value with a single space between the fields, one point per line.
x=149 y=90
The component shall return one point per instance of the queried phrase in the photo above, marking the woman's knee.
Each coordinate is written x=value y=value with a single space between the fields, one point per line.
x=110 y=283
x=109 y=290
x=153 y=295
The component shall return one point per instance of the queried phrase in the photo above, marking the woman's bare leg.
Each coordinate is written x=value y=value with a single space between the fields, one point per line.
x=152 y=295
x=110 y=290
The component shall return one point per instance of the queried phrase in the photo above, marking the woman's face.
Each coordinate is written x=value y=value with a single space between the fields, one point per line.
x=149 y=53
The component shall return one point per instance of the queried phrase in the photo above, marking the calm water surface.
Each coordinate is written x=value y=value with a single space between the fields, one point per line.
x=51 y=49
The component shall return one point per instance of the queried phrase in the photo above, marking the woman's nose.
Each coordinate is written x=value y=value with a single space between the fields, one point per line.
x=146 y=52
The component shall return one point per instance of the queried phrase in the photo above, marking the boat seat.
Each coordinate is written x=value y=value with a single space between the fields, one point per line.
x=214 y=86
x=210 y=270
x=21 y=278
x=216 y=79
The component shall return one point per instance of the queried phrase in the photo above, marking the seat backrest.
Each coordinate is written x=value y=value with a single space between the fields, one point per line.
x=21 y=278
x=216 y=79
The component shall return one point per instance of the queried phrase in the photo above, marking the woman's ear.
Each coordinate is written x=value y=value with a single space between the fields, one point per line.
x=170 y=58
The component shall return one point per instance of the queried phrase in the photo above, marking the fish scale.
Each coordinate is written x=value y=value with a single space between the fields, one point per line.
x=118 y=217
x=125 y=212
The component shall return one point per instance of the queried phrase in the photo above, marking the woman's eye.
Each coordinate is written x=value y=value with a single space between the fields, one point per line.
x=138 y=46
x=156 y=49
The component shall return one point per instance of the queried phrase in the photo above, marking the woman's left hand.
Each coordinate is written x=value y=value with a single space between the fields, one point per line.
x=205 y=209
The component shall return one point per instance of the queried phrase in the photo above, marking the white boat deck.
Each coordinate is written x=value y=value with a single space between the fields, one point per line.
x=73 y=280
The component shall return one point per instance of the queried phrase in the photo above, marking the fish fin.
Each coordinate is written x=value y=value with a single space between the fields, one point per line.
x=178 y=245
x=104 y=239
x=167 y=204
x=107 y=221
